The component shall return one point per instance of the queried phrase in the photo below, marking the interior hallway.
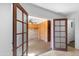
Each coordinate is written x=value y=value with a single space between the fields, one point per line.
x=37 y=47
x=71 y=52
x=38 y=36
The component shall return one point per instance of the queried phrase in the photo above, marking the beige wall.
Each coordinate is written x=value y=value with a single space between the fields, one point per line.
x=43 y=31
x=32 y=26
x=39 y=31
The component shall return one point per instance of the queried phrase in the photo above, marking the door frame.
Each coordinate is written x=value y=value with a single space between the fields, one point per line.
x=54 y=33
x=49 y=31
x=14 y=29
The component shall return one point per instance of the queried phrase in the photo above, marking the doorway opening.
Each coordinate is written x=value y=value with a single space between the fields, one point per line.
x=39 y=35
x=71 y=35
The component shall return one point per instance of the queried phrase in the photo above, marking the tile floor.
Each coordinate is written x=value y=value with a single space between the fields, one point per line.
x=71 y=52
x=37 y=47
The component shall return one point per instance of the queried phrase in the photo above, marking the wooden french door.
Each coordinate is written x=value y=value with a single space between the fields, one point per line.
x=20 y=30
x=60 y=34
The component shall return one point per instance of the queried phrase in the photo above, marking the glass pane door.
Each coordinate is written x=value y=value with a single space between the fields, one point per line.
x=20 y=30
x=60 y=34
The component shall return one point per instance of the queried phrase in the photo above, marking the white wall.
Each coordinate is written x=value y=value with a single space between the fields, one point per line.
x=51 y=35
x=75 y=16
x=71 y=30
x=5 y=29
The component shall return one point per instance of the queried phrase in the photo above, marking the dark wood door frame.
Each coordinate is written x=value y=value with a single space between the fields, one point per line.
x=17 y=5
x=54 y=34
x=49 y=30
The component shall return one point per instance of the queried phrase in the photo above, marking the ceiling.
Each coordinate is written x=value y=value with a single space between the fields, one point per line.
x=63 y=8
x=36 y=20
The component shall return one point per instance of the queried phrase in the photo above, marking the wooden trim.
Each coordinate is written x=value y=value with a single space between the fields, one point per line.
x=21 y=8
x=24 y=51
x=14 y=30
x=60 y=19
x=60 y=31
x=20 y=45
x=59 y=25
x=54 y=34
x=27 y=38
x=20 y=33
x=66 y=35
x=49 y=31
x=15 y=6
x=21 y=21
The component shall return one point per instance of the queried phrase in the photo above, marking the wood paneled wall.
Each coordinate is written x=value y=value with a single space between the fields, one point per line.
x=42 y=29
x=32 y=26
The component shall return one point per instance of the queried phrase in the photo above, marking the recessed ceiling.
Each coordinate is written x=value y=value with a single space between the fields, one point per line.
x=63 y=8
x=36 y=20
